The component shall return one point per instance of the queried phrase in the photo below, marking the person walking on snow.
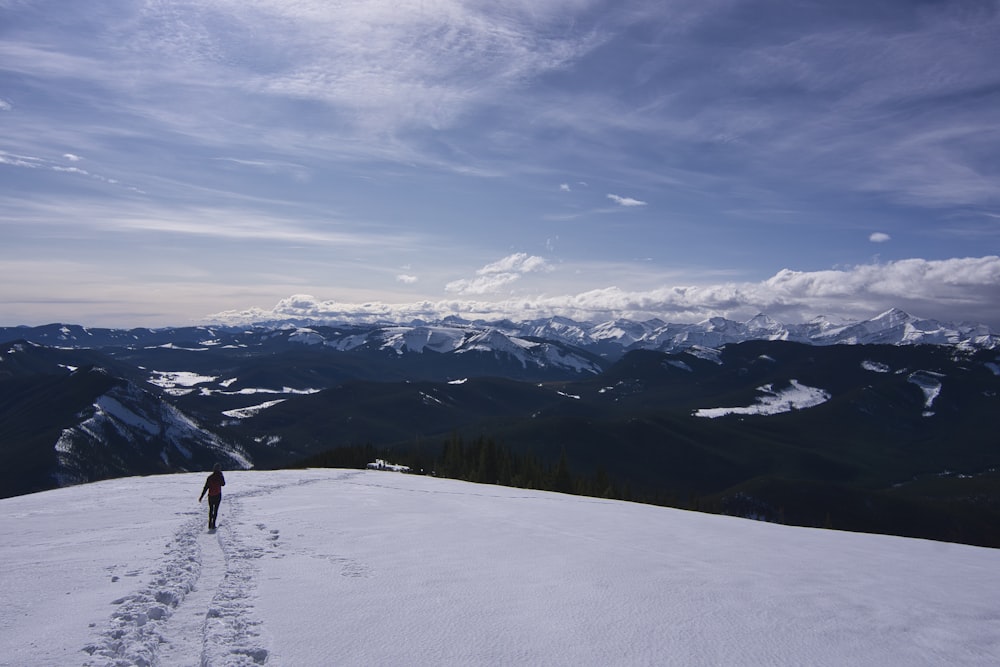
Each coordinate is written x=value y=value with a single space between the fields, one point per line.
x=213 y=485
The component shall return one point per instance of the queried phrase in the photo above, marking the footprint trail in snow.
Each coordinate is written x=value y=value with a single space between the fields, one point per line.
x=197 y=607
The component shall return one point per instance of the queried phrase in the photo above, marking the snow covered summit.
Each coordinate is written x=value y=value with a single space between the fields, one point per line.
x=345 y=567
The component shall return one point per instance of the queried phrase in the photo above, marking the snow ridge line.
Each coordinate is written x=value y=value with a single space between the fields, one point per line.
x=134 y=631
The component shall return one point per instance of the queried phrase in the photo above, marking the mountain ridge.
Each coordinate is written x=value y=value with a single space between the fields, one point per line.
x=767 y=427
x=558 y=342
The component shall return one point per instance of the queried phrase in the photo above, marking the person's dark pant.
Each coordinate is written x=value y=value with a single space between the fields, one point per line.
x=213 y=509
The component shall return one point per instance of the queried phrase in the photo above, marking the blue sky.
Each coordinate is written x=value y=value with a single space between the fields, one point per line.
x=174 y=162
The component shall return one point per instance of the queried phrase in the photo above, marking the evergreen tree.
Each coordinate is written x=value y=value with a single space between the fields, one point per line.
x=562 y=480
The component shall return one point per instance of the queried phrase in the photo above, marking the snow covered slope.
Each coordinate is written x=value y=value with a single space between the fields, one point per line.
x=324 y=567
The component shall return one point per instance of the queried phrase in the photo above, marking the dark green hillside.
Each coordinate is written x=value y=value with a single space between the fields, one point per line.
x=842 y=463
x=33 y=413
x=892 y=439
x=385 y=413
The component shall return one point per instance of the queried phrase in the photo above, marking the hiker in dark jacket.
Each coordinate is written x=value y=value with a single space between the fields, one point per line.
x=213 y=485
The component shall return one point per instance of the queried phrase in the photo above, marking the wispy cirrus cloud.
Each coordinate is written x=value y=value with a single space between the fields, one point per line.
x=32 y=162
x=191 y=222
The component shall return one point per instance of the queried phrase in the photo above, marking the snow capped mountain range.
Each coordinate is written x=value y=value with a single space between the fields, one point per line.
x=893 y=327
x=82 y=404
x=547 y=342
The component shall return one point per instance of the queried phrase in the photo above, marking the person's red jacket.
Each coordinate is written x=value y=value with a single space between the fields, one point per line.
x=214 y=484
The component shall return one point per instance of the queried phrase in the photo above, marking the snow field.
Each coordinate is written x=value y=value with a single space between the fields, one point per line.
x=379 y=568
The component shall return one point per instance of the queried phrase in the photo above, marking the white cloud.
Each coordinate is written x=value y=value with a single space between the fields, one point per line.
x=565 y=187
x=879 y=237
x=486 y=284
x=625 y=201
x=960 y=289
x=517 y=263
x=496 y=275
x=5 y=105
x=407 y=279
x=72 y=157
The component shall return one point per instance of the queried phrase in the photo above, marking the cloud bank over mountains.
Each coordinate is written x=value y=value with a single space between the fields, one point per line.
x=952 y=289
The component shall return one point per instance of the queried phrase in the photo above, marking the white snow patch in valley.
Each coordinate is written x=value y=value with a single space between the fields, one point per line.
x=795 y=397
x=172 y=379
x=319 y=567
x=250 y=391
x=677 y=363
x=929 y=383
x=875 y=366
x=462 y=381
x=573 y=396
x=251 y=410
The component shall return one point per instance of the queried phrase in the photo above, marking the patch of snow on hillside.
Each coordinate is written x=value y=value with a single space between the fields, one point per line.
x=251 y=410
x=462 y=381
x=306 y=337
x=995 y=368
x=172 y=379
x=706 y=353
x=677 y=363
x=250 y=391
x=110 y=406
x=420 y=339
x=929 y=383
x=795 y=397
x=556 y=356
x=430 y=400
x=382 y=464
x=347 y=342
x=573 y=396
x=875 y=366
